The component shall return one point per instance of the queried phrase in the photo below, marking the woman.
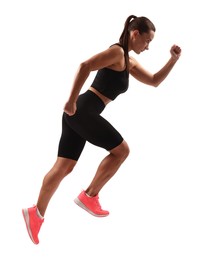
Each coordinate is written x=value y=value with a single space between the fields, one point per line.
x=82 y=121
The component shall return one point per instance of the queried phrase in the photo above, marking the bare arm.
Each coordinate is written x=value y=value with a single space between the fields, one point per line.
x=138 y=72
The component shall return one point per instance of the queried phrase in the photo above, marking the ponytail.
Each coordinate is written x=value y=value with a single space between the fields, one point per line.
x=142 y=24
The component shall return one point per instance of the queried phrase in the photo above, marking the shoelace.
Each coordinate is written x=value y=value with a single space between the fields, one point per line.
x=97 y=203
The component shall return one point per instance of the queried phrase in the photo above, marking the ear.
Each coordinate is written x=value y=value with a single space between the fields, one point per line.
x=135 y=33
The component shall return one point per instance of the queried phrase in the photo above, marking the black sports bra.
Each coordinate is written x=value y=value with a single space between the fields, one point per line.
x=111 y=83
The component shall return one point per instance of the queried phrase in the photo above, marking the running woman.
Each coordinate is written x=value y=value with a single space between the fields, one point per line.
x=82 y=121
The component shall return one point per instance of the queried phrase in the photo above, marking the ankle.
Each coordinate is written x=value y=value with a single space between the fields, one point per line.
x=39 y=214
x=90 y=193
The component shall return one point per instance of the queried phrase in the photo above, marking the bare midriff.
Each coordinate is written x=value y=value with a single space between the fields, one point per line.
x=102 y=97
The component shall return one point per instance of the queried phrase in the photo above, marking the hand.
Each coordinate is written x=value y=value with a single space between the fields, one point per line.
x=70 y=108
x=175 y=52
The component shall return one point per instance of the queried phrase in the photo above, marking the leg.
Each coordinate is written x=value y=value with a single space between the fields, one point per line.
x=88 y=199
x=52 y=179
x=69 y=150
x=107 y=168
x=33 y=216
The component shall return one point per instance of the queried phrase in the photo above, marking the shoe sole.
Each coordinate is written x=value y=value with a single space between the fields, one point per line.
x=81 y=205
x=26 y=218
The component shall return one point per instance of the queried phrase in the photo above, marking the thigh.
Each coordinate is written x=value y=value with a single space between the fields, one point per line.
x=104 y=134
x=71 y=144
x=88 y=123
x=96 y=130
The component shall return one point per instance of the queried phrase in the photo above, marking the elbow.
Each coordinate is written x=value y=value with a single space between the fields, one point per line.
x=155 y=82
x=155 y=85
x=84 y=68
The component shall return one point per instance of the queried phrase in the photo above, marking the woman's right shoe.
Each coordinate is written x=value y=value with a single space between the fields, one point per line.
x=33 y=223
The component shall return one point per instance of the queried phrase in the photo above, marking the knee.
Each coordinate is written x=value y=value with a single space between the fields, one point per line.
x=125 y=150
x=62 y=172
x=122 y=151
x=57 y=174
x=68 y=169
x=64 y=166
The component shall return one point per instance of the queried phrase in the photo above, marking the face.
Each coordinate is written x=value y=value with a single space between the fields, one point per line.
x=140 y=42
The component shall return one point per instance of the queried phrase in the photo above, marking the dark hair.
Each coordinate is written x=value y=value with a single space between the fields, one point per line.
x=142 y=24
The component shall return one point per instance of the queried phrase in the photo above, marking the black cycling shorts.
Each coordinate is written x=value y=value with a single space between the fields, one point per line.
x=86 y=125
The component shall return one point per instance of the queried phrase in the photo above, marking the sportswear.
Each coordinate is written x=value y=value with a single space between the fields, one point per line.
x=91 y=205
x=87 y=124
x=111 y=83
x=33 y=223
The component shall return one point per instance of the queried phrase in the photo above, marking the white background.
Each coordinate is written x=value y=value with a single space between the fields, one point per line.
x=155 y=198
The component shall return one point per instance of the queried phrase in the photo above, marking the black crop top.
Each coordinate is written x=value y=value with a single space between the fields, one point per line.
x=111 y=83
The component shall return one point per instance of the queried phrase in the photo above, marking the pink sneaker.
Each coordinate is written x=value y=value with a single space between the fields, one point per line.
x=91 y=205
x=33 y=223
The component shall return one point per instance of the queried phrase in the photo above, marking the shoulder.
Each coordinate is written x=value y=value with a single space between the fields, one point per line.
x=118 y=55
x=114 y=51
x=112 y=57
x=117 y=48
x=133 y=63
